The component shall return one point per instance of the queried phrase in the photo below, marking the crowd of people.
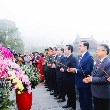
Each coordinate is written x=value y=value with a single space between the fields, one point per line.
x=36 y=59
x=63 y=73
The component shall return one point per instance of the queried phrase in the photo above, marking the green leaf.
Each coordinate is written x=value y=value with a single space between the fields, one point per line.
x=1 y=105
x=10 y=103
x=5 y=108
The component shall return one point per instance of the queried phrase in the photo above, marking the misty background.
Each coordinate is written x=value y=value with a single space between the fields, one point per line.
x=44 y=23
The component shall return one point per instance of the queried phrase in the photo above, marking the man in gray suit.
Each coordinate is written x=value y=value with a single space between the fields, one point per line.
x=100 y=86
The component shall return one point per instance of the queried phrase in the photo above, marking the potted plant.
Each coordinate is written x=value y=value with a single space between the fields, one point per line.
x=20 y=80
x=25 y=99
x=32 y=73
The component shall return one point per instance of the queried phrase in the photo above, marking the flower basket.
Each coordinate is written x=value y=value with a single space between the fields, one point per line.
x=24 y=100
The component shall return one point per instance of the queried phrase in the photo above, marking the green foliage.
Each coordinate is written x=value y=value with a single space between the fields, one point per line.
x=15 y=44
x=32 y=73
x=10 y=36
x=5 y=102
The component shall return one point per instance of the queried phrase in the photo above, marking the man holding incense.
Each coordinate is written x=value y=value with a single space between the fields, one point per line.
x=69 y=77
x=99 y=84
x=84 y=68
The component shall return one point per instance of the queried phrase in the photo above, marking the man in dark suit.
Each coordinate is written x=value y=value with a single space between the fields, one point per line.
x=35 y=58
x=100 y=86
x=59 y=75
x=69 y=77
x=85 y=67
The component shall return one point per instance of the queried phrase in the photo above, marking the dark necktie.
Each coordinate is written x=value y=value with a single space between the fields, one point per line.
x=80 y=58
x=98 y=64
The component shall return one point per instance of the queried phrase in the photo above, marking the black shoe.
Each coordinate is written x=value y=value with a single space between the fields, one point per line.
x=62 y=100
x=55 y=95
x=58 y=97
x=66 y=106
x=45 y=84
x=51 y=93
x=58 y=101
x=55 y=98
x=48 y=89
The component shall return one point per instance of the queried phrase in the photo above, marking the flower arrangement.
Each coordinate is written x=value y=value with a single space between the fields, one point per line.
x=11 y=75
x=12 y=71
x=32 y=73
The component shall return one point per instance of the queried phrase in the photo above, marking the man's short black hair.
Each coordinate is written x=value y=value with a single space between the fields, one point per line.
x=85 y=43
x=62 y=49
x=46 y=49
x=70 y=47
x=50 y=48
x=54 y=48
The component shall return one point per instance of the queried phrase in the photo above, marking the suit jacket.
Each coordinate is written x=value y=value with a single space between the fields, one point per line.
x=60 y=59
x=84 y=68
x=70 y=62
x=100 y=86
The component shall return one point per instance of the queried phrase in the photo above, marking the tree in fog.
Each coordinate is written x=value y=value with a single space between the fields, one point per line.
x=10 y=36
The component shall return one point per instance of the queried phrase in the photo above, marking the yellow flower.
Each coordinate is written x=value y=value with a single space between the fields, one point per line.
x=11 y=74
x=19 y=86
x=19 y=92
x=18 y=83
x=15 y=80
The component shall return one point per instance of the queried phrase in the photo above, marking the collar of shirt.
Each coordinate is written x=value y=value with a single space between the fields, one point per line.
x=102 y=59
x=55 y=55
x=68 y=56
x=83 y=53
x=59 y=55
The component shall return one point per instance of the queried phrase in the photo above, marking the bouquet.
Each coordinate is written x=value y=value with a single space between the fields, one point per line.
x=11 y=76
x=32 y=73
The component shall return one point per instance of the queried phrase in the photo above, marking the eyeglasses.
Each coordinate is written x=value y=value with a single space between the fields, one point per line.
x=100 y=50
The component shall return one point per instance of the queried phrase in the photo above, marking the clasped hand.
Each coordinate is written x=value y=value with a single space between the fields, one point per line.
x=88 y=79
x=72 y=70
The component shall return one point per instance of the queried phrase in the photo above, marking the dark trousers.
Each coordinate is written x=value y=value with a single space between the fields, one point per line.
x=60 y=91
x=70 y=91
x=101 y=104
x=53 y=79
x=85 y=98
x=48 y=77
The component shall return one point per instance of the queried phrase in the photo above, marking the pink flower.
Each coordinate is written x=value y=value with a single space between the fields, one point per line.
x=29 y=89
x=25 y=78
x=3 y=74
x=6 y=52
x=11 y=70
x=28 y=83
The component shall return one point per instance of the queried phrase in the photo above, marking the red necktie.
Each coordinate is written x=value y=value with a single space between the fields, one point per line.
x=80 y=58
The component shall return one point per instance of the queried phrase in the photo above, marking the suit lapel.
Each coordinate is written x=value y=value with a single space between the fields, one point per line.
x=84 y=57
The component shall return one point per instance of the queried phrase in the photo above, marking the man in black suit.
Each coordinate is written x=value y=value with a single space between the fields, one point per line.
x=59 y=75
x=69 y=77
x=35 y=58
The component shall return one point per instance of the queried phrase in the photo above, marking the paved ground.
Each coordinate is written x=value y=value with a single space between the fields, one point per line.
x=42 y=100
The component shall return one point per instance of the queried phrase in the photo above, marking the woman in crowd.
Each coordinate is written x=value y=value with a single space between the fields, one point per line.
x=40 y=67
